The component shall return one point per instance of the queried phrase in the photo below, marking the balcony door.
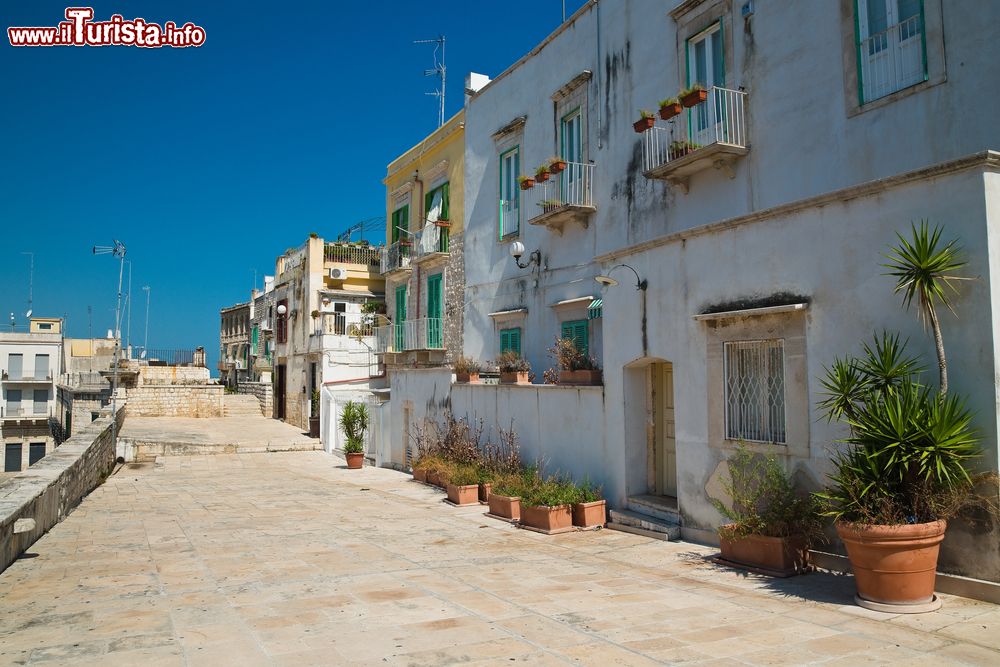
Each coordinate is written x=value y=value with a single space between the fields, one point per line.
x=890 y=46
x=398 y=328
x=572 y=152
x=510 y=195
x=434 y=298
x=706 y=65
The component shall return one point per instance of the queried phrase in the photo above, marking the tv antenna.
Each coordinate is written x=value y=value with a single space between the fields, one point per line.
x=31 y=279
x=439 y=70
x=362 y=226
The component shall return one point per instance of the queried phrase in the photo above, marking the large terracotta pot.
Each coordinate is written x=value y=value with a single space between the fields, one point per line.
x=467 y=378
x=484 y=491
x=355 y=460
x=584 y=378
x=464 y=495
x=420 y=474
x=519 y=377
x=432 y=478
x=548 y=519
x=781 y=556
x=588 y=515
x=505 y=507
x=894 y=566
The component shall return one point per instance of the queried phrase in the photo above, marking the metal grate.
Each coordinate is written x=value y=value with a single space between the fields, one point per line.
x=755 y=390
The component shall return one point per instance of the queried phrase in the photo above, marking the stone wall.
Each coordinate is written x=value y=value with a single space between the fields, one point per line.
x=162 y=375
x=264 y=393
x=48 y=492
x=454 y=299
x=195 y=400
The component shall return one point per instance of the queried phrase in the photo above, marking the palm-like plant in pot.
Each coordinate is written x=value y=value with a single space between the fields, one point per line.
x=354 y=423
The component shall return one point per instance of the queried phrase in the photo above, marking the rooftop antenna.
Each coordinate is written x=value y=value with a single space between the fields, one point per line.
x=117 y=249
x=439 y=71
x=31 y=279
x=90 y=334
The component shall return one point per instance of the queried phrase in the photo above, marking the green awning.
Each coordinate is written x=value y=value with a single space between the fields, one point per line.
x=594 y=310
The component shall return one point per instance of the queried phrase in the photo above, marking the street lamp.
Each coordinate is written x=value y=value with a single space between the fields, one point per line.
x=117 y=249
x=640 y=285
x=517 y=250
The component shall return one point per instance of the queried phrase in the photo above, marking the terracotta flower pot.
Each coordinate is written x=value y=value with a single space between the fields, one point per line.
x=355 y=460
x=507 y=507
x=519 y=377
x=484 y=491
x=542 y=176
x=557 y=166
x=894 y=565
x=467 y=494
x=588 y=515
x=643 y=124
x=467 y=378
x=694 y=98
x=780 y=556
x=583 y=378
x=420 y=474
x=432 y=478
x=671 y=110
x=527 y=184
x=548 y=520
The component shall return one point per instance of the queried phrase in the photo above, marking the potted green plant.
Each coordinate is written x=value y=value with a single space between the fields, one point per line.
x=549 y=205
x=669 y=108
x=314 y=415
x=542 y=173
x=513 y=368
x=645 y=122
x=681 y=148
x=526 y=182
x=770 y=525
x=486 y=477
x=575 y=368
x=505 y=497
x=693 y=96
x=463 y=485
x=905 y=470
x=354 y=423
x=590 y=508
x=466 y=370
x=557 y=165
x=547 y=506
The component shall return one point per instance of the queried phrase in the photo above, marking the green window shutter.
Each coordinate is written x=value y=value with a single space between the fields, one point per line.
x=515 y=340
x=510 y=340
x=428 y=200
x=445 y=204
x=404 y=217
x=576 y=331
x=504 y=340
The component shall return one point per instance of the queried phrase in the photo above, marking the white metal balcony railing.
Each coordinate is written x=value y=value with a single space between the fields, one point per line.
x=432 y=239
x=721 y=119
x=426 y=333
x=573 y=187
x=892 y=59
x=349 y=253
x=396 y=256
x=343 y=324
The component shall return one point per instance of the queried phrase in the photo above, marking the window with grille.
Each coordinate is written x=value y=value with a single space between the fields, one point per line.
x=755 y=390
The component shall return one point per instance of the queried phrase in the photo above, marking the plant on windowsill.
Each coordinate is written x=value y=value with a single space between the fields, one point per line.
x=314 y=415
x=575 y=368
x=646 y=122
x=526 y=182
x=466 y=370
x=693 y=96
x=557 y=165
x=354 y=423
x=542 y=173
x=513 y=368
x=771 y=526
x=669 y=108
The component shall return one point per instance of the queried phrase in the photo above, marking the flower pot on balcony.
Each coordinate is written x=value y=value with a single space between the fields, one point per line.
x=557 y=166
x=467 y=378
x=314 y=427
x=581 y=378
x=355 y=460
x=780 y=556
x=669 y=111
x=644 y=124
x=467 y=494
x=519 y=377
x=505 y=507
x=542 y=176
x=527 y=183
x=589 y=515
x=484 y=491
x=694 y=98
x=548 y=519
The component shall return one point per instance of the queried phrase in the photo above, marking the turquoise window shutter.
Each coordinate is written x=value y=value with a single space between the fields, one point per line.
x=576 y=331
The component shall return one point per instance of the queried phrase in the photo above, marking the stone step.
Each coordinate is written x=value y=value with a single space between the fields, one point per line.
x=643 y=524
x=662 y=508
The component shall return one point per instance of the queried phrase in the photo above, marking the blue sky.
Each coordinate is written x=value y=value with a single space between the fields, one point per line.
x=209 y=162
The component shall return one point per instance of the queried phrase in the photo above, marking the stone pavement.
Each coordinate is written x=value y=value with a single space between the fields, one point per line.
x=146 y=437
x=290 y=559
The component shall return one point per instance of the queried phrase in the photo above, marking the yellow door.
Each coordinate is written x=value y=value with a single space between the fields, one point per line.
x=663 y=416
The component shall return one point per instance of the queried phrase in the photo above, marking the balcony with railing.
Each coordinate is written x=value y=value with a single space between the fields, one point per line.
x=340 y=325
x=426 y=333
x=27 y=377
x=431 y=241
x=396 y=257
x=350 y=253
x=563 y=198
x=711 y=134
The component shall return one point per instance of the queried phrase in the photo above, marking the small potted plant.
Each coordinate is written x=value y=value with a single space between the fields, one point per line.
x=315 y=314
x=557 y=165
x=466 y=370
x=542 y=173
x=682 y=148
x=645 y=122
x=354 y=422
x=513 y=368
x=549 y=205
x=486 y=477
x=314 y=415
x=575 y=368
x=505 y=497
x=693 y=96
x=463 y=485
x=771 y=526
x=547 y=506
x=526 y=182
x=590 y=509
x=669 y=108
x=419 y=469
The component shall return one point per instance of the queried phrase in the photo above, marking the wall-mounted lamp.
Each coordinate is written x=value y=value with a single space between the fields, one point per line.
x=608 y=281
x=282 y=309
x=517 y=250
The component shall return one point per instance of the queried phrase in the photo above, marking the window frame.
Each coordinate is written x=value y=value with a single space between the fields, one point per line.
x=504 y=234
x=400 y=215
x=922 y=13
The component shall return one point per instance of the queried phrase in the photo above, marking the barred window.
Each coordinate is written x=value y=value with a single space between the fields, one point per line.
x=755 y=390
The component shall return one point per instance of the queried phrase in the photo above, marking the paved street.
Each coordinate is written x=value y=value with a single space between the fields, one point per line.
x=290 y=559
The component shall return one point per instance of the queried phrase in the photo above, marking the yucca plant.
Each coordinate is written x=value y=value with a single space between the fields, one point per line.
x=924 y=267
x=354 y=423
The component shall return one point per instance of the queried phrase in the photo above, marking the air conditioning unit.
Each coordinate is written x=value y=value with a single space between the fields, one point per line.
x=338 y=273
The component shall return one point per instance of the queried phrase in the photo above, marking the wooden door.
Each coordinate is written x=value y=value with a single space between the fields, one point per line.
x=662 y=381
